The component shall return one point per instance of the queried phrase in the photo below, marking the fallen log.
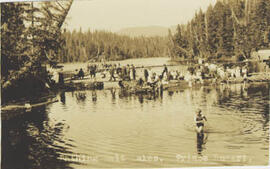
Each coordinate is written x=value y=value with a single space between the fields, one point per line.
x=25 y=106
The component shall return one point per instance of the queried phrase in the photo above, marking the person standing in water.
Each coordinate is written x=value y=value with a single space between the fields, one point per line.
x=199 y=120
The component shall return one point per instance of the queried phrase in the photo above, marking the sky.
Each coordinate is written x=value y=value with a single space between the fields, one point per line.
x=114 y=15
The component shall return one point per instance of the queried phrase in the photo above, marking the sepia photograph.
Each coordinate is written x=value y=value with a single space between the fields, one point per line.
x=135 y=84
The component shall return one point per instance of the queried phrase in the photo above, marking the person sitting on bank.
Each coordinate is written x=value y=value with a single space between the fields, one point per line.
x=140 y=82
x=81 y=74
x=199 y=121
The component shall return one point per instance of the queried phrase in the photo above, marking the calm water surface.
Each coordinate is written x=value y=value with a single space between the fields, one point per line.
x=109 y=128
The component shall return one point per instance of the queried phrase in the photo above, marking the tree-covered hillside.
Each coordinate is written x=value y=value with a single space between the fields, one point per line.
x=229 y=28
x=83 y=46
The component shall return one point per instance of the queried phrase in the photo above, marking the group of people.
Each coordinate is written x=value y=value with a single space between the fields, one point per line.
x=92 y=68
x=194 y=73
x=145 y=76
x=213 y=71
x=165 y=75
x=123 y=72
x=128 y=72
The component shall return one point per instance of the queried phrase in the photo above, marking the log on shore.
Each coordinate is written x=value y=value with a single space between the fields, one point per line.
x=17 y=106
x=10 y=111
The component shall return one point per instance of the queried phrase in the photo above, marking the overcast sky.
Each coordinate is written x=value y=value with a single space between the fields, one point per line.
x=113 y=15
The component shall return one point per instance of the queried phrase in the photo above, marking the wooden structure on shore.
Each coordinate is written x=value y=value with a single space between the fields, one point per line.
x=81 y=85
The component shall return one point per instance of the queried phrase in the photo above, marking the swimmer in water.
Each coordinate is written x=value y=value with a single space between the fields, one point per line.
x=199 y=120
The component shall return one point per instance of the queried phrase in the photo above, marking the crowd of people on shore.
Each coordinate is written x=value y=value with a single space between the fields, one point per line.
x=129 y=72
x=145 y=76
x=216 y=72
x=194 y=73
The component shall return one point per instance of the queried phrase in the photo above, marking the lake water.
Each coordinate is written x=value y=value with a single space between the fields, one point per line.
x=109 y=128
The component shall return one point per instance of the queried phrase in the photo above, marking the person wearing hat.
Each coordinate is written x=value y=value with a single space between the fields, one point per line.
x=199 y=120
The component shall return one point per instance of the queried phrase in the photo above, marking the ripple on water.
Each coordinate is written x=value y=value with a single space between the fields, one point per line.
x=152 y=128
x=220 y=125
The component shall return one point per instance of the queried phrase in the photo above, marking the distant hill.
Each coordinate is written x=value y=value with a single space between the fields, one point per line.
x=144 y=31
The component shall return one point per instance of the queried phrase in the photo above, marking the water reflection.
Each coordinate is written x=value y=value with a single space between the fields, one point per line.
x=170 y=93
x=63 y=97
x=80 y=96
x=159 y=125
x=26 y=142
x=161 y=94
x=113 y=92
x=201 y=141
x=123 y=94
x=94 y=96
x=140 y=97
